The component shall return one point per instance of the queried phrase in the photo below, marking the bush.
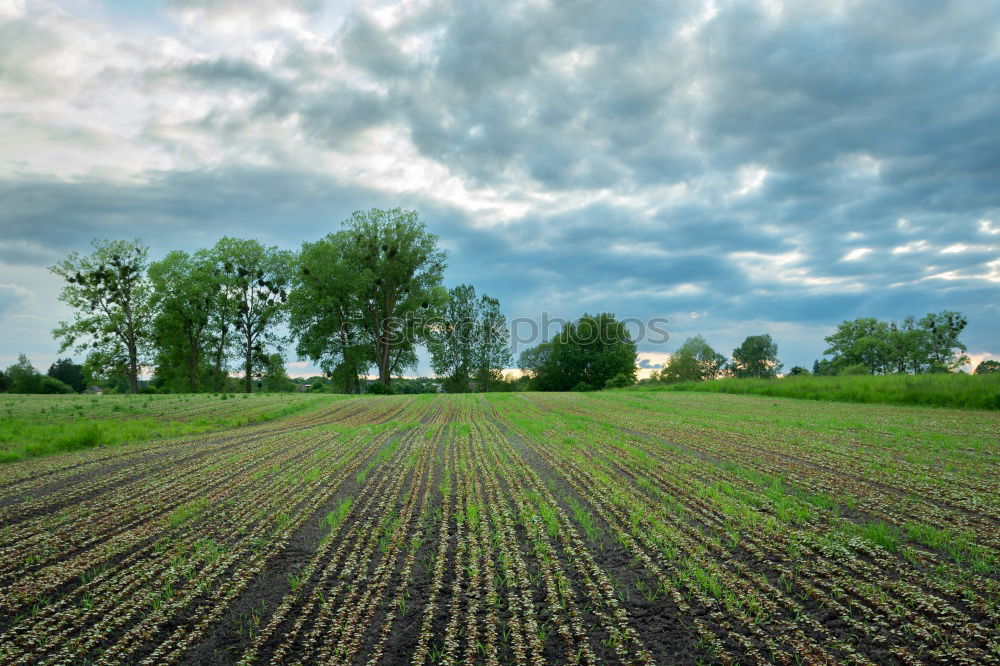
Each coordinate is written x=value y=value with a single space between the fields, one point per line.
x=618 y=381
x=856 y=370
x=51 y=385
x=379 y=388
x=583 y=386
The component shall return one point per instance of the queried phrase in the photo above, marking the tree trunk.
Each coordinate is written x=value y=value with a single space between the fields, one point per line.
x=133 y=370
x=248 y=381
x=192 y=373
x=383 y=362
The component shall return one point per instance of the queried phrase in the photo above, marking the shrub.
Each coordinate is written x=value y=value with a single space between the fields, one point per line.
x=618 y=381
x=583 y=386
x=855 y=370
x=988 y=367
x=379 y=388
x=52 y=385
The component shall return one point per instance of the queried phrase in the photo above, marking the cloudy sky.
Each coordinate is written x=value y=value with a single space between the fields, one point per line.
x=735 y=167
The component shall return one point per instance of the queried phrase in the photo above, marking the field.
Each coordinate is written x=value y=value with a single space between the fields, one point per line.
x=613 y=527
x=941 y=390
x=35 y=425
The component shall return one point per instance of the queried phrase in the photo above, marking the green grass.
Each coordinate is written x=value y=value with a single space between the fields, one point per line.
x=957 y=391
x=36 y=426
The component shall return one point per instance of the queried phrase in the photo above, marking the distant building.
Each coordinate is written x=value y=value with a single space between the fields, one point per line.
x=94 y=390
x=302 y=388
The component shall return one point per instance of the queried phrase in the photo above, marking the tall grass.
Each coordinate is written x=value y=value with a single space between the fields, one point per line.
x=940 y=390
x=31 y=435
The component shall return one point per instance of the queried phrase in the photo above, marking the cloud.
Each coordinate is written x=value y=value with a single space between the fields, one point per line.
x=769 y=169
x=12 y=296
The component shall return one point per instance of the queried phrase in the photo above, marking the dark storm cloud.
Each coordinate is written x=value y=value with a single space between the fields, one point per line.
x=740 y=168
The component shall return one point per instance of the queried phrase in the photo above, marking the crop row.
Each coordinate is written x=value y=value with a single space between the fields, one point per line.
x=524 y=529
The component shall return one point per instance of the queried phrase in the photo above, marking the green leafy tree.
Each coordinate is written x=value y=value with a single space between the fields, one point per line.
x=987 y=367
x=533 y=359
x=275 y=378
x=585 y=355
x=381 y=272
x=756 y=357
x=929 y=345
x=253 y=282
x=492 y=350
x=797 y=370
x=4 y=382
x=824 y=367
x=325 y=312
x=111 y=299
x=694 y=361
x=69 y=373
x=945 y=352
x=186 y=294
x=861 y=342
x=452 y=338
x=906 y=347
x=108 y=369
x=469 y=340
x=23 y=378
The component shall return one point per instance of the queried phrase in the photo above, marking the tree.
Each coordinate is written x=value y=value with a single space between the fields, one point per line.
x=275 y=377
x=756 y=357
x=107 y=369
x=23 y=378
x=694 y=361
x=945 y=352
x=798 y=370
x=492 y=352
x=382 y=270
x=186 y=294
x=4 y=382
x=252 y=282
x=533 y=359
x=325 y=312
x=930 y=345
x=987 y=367
x=906 y=347
x=110 y=295
x=586 y=354
x=469 y=340
x=861 y=341
x=451 y=338
x=68 y=372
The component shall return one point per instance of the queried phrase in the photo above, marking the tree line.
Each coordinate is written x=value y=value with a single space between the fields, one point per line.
x=362 y=297
x=366 y=296
x=859 y=346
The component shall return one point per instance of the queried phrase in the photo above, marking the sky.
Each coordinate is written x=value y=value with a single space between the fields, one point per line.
x=731 y=167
